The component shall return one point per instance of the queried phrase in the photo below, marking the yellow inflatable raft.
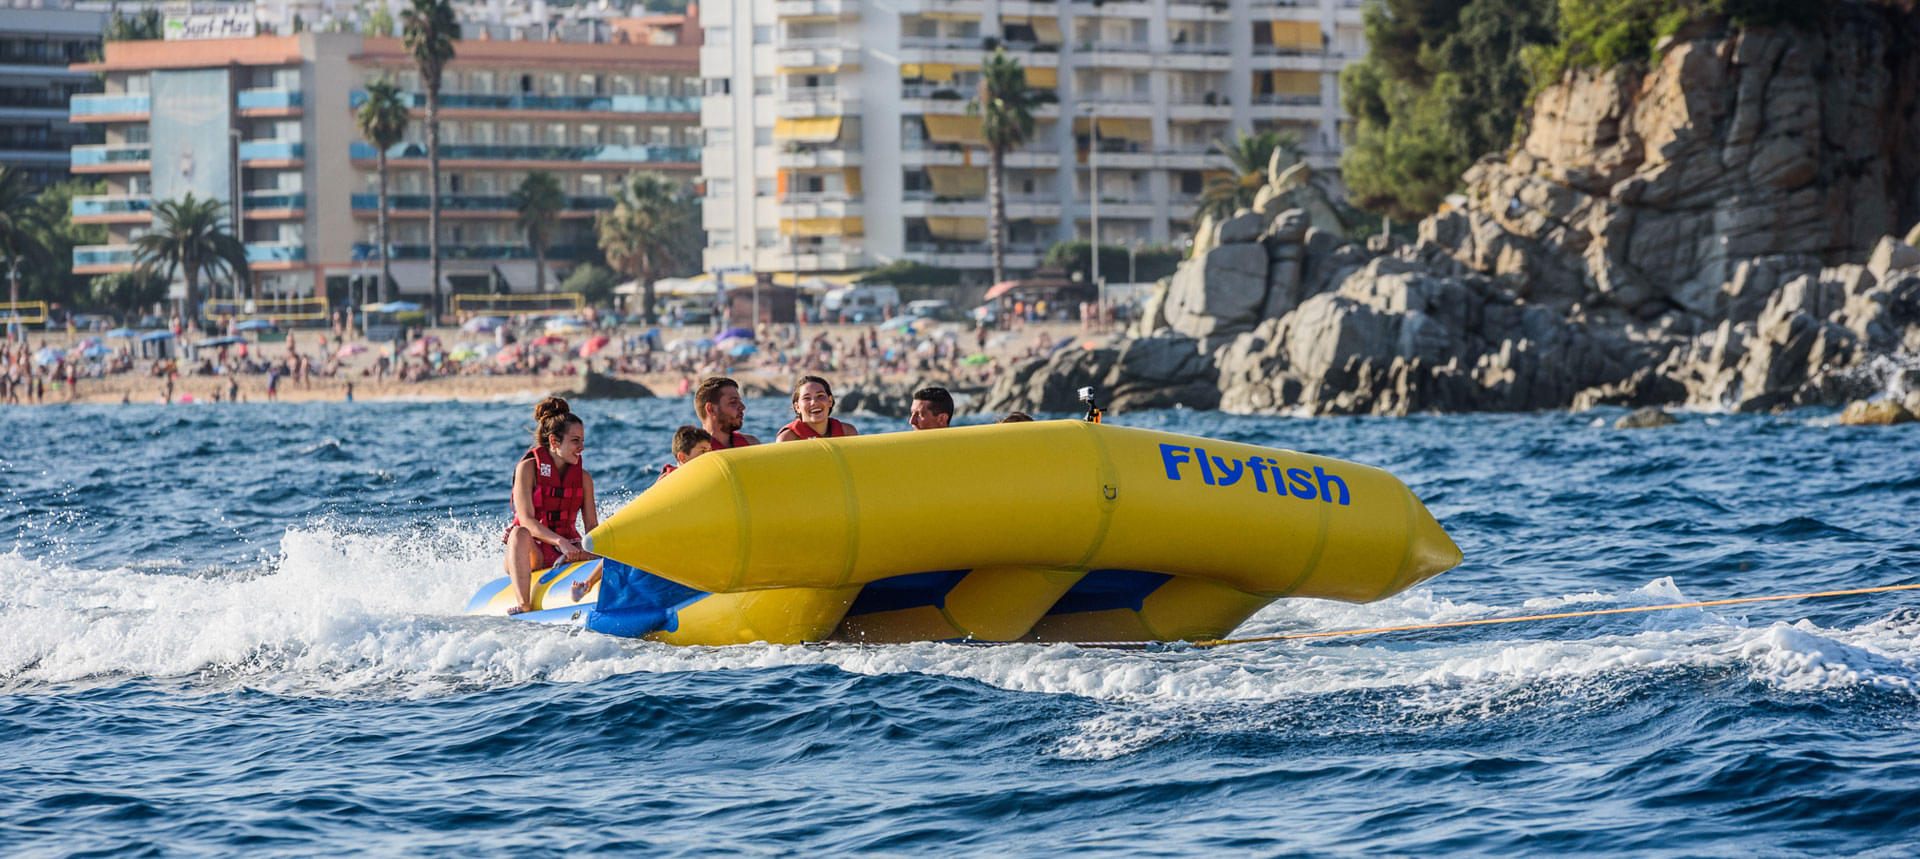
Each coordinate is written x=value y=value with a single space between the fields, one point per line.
x=1043 y=531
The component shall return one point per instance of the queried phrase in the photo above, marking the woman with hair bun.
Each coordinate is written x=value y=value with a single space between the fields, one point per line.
x=551 y=490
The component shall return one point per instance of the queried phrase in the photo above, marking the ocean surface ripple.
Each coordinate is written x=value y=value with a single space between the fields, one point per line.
x=237 y=630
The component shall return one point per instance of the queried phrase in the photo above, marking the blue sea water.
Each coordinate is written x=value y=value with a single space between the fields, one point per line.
x=236 y=630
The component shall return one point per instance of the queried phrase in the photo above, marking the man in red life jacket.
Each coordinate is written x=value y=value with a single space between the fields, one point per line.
x=721 y=411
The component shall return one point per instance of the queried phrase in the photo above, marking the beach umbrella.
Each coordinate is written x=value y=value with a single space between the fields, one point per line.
x=565 y=323
x=742 y=350
x=216 y=342
x=254 y=325
x=47 y=355
x=463 y=354
x=97 y=351
x=420 y=347
x=123 y=333
x=594 y=344
x=397 y=307
x=735 y=334
x=350 y=350
x=548 y=340
x=508 y=355
x=977 y=359
x=483 y=324
x=151 y=336
x=690 y=344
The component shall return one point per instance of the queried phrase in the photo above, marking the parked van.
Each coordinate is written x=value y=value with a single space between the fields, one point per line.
x=858 y=303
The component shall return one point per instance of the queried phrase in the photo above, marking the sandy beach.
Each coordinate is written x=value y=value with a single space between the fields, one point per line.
x=483 y=380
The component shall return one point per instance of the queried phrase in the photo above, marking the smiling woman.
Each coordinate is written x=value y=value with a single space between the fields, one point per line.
x=812 y=411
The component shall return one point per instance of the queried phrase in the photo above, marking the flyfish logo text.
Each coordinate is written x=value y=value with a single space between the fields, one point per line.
x=1297 y=482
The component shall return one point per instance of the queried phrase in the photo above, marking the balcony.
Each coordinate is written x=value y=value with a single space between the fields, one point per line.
x=273 y=201
x=275 y=252
x=817 y=54
x=366 y=251
x=1116 y=55
x=271 y=150
x=497 y=203
x=110 y=158
x=816 y=9
x=803 y=158
x=586 y=155
x=92 y=259
x=824 y=204
x=818 y=101
x=98 y=107
x=270 y=99
x=112 y=208
x=631 y=104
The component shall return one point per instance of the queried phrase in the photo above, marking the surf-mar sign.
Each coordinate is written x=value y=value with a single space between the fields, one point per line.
x=237 y=24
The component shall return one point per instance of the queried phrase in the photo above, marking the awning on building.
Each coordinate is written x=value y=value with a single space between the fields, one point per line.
x=1295 y=83
x=1047 y=30
x=1042 y=77
x=958 y=181
x=821 y=227
x=946 y=128
x=958 y=229
x=521 y=275
x=817 y=70
x=1297 y=35
x=812 y=129
x=951 y=16
x=1119 y=128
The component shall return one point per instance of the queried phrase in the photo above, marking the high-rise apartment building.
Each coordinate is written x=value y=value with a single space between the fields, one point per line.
x=838 y=139
x=36 y=48
x=268 y=122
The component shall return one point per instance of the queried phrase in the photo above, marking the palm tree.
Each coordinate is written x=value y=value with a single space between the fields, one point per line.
x=539 y=201
x=20 y=226
x=1247 y=156
x=383 y=122
x=429 y=29
x=1005 y=107
x=653 y=230
x=190 y=235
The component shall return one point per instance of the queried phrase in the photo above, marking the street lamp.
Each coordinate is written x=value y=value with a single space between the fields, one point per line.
x=239 y=212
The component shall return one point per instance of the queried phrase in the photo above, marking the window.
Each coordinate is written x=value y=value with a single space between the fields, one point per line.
x=623 y=85
x=556 y=134
x=691 y=135
x=626 y=135
x=659 y=87
x=767 y=238
x=763 y=136
x=483 y=133
x=591 y=186
x=719 y=238
x=766 y=186
x=721 y=136
x=136 y=134
x=480 y=82
x=589 y=135
x=519 y=134
x=719 y=187
x=689 y=86
x=719 y=86
x=590 y=85
x=718 y=36
x=556 y=84
x=763 y=85
x=660 y=135
x=449 y=132
x=763 y=35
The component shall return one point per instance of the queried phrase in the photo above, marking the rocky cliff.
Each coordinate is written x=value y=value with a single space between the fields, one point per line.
x=1717 y=230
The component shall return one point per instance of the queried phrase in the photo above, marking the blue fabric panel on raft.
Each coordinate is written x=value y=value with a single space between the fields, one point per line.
x=1105 y=590
x=909 y=591
x=634 y=602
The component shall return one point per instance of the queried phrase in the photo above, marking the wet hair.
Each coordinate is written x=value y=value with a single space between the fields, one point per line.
x=551 y=416
x=709 y=393
x=801 y=385
x=1016 y=418
x=937 y=397
x=687 y=436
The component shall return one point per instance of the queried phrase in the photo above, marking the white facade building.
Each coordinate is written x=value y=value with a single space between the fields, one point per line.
x=837 y=135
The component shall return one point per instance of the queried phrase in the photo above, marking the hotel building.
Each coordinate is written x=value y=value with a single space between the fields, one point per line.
x=269 y=122
x=837 y=134
x=36 y=48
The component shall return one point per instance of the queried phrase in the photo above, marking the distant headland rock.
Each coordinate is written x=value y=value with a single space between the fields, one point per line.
x=1733 y=228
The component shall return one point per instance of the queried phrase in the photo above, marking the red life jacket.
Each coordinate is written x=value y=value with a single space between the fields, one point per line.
x=558 y=493
x=738 y=441
x=835 y=429
x=667 y=469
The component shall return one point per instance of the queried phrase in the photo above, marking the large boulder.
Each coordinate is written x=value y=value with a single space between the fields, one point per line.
x=1221 y=292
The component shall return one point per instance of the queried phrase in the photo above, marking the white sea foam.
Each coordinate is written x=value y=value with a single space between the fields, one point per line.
x=348 y=613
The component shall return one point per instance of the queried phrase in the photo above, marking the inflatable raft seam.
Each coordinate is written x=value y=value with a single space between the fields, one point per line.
x=743 y=537
x=851 y=508
x=1312 y=563
x=1104 y=505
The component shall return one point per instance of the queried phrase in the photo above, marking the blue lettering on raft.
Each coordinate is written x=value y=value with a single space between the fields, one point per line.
x=1318 y=484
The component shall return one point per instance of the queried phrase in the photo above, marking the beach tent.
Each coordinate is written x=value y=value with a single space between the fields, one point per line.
x=123 y=334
